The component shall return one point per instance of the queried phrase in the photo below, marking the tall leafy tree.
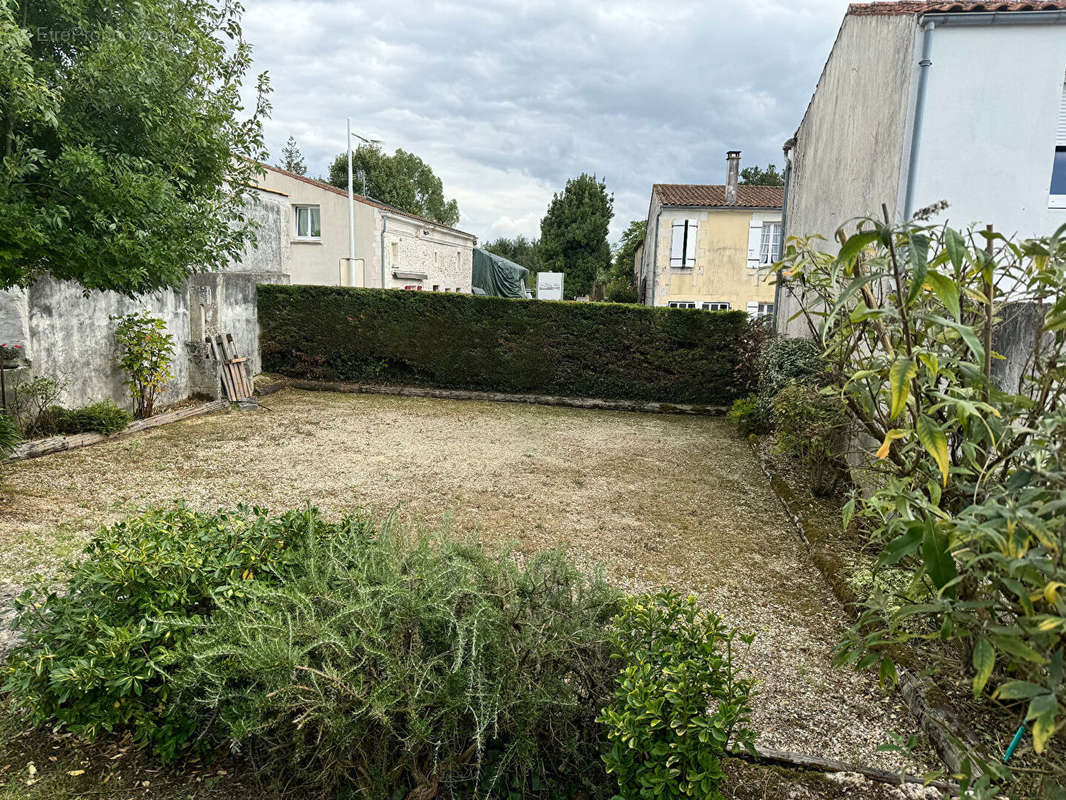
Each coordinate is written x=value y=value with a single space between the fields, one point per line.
x=619 y=282
x=573 y=234
x=291 y=157
x=403 y=180
x=756 y=176
x=125 y=148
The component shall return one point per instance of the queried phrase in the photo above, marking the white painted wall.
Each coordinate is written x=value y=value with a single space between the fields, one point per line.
x=988 y=137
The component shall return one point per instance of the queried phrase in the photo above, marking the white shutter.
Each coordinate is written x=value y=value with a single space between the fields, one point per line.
x=690 y=246
x=677 y=244
x=754 y=241
x=753 y=309
x=1060 y=129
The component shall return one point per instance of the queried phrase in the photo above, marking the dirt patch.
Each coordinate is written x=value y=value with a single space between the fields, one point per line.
x=659 y=499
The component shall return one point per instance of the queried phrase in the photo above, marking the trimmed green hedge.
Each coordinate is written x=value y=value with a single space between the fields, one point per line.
x=456 y=341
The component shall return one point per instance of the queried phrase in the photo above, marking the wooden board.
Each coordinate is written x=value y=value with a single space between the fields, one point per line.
x=57 y=444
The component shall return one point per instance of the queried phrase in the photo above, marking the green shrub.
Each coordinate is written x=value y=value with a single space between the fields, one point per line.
x=968 y=510
x=394 y=664
x=785 y=361
x=750 y=415
x=98 y=654
x=813 y=427
x=147 y=351
x=104 y=417
x=678 y=701
x=30 y=403
x=9 y=436
x=457 y=341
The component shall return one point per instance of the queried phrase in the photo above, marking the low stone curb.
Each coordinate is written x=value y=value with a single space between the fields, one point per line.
x=784 y=758
x=57 y=444
x=502 y=397
x=926 y=702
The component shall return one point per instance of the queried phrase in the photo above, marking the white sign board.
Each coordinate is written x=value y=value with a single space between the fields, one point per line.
x=549 y=286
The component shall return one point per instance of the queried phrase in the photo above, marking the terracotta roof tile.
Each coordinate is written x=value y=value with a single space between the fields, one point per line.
x=713 y=196
x=360 y=198
x=935 y=7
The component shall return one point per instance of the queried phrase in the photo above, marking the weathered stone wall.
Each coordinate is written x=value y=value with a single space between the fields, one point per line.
x=69 y=335
x=851 y=146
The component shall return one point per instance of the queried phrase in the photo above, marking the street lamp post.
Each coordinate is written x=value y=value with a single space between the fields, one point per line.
x=351 y=201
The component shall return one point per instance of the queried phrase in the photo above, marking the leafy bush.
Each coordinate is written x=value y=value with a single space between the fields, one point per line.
x=678 y=700
x=604 y=350
x=750 y=415
x=759 y=337
x=146 y=354
x=104 y=417
x=969 y=507
x=98 y=655
x=813 y=427
x=9 y=436
x=415 y=664
x=31 y=400
x=785 y=361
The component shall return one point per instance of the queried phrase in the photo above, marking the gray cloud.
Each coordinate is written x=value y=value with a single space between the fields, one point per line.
x=506 y=100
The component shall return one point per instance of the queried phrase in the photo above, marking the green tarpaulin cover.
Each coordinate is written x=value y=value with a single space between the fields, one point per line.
x=496 y=276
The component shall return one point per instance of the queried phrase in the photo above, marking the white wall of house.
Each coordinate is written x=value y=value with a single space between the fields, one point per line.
x=987 y=142
x=426 y=254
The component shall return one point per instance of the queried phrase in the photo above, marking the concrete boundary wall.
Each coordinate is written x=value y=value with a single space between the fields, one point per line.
x=67 y=333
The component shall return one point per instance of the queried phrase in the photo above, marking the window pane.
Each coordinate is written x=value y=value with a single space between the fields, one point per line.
x=1058 y=172
x=316 y=225
x=301 y=222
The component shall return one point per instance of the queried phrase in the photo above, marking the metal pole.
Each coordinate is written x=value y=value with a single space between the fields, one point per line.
x=351 y=211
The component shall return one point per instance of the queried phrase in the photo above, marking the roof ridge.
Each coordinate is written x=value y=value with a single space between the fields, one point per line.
x=907 y=7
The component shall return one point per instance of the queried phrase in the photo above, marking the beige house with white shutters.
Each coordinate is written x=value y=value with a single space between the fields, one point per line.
x=710 y=246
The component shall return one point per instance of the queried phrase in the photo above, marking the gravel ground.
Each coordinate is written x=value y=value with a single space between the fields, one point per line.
x=660 y=499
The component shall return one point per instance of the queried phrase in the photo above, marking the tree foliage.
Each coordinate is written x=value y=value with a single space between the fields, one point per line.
x=967 y=509
x=124 y=155
x=756 y=176
x=402 y=180
x=573 y=234
x=618 y=282
x=519 y=250
x=291 y=157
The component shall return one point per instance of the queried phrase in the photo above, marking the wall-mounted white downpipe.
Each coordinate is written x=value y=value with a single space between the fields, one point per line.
x=928 y=26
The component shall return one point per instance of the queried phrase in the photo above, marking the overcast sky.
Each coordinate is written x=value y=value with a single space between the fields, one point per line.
x=507 y=100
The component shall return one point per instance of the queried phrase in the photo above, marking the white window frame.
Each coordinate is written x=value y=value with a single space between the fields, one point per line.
x=681 y=304
x=1059 y=200
x=770 y=242
x=716 y=305
x=309 y=208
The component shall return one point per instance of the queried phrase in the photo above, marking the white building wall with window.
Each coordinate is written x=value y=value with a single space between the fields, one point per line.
x=994 y=125
x=418 y=254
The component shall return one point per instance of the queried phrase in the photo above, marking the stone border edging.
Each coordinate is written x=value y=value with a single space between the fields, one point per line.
x=647 y=407
x=791 y=760
x=57 y=444
x=937 y=720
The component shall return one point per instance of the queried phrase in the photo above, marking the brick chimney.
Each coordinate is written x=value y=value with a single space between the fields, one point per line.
x=732 y=175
